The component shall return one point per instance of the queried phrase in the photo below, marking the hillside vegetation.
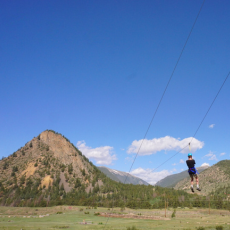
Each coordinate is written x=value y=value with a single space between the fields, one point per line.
x=171 y=180
x=49 y=171
x=212 y=180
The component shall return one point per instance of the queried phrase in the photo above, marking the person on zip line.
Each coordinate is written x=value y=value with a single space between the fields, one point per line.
x=192 y=172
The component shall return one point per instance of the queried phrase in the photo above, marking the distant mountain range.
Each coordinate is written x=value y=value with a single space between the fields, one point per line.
x=172 y=180
x=120 y=176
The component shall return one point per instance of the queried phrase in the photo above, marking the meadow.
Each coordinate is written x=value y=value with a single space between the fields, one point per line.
x=76 y=217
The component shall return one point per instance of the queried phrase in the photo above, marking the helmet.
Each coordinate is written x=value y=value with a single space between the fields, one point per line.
x=190 y=154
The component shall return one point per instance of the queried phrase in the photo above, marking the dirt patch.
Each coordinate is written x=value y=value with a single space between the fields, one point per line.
x=47 y=181
x=133 y=216
x=29 y=171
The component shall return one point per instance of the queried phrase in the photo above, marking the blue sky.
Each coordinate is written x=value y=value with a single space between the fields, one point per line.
x=95 y=71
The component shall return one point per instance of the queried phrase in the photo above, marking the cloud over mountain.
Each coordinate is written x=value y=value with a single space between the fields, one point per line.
x=149 y=175
x=212 y=156
x=166 y=143
x=102 y=155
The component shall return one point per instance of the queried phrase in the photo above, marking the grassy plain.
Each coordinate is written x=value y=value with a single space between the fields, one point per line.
x=12 y=218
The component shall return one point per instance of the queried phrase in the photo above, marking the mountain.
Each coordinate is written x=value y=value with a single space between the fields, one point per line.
x=216 y=177
x=46 y=162
x=171 y=180
x=120 y=176
x=49 y=170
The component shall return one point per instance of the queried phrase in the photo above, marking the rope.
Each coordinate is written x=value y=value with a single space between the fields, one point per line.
x=198 y=126
x=163 y=93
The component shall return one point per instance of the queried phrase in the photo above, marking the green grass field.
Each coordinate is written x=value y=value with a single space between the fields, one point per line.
x=71 y=218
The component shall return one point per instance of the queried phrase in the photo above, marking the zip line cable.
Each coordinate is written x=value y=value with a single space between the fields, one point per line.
x=166 y=88
x=199 y=124
x=209 y=108
x=164 y=91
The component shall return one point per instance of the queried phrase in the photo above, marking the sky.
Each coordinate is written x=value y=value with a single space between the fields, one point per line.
x=95 y=71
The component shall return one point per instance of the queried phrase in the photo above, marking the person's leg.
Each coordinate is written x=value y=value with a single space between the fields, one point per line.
x=197 y=183
x=191 y=176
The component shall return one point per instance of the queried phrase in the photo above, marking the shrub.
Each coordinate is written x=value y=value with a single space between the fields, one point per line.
x=70 y=169
x=22 y=179
x=83 y=172
x=86 y=212
x=77 y=183
x=219 y=227
x=96 y=213
x=15 y=169
x=6 y=165
x=174 y=213
x=59 y=212
x=132 y=228
x=200 y=228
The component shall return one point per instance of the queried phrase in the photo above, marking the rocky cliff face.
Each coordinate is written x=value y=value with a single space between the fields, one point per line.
x=63 y=150
x=46 y=158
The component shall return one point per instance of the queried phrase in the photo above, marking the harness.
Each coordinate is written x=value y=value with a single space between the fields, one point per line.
x=192 y=171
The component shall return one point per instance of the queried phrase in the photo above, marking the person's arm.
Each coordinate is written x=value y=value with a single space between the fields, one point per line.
x=187 y=162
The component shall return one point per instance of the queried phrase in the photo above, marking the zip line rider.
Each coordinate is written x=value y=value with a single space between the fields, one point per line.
x=192 y=172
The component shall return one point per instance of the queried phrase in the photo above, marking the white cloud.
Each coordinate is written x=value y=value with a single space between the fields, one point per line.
x=222 y=154
x=205 y=164
x=212 y=156
x=174 y=164
x=102 y=155
x=149 y=175
x=211 y=126
x=181 y=161
x=130 y=159
x=164 y=143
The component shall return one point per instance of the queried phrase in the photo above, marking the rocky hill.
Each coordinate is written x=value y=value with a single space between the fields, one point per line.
x=120 y=176
x=49 y=170
x=171 y=180
x=212 y=179
x=43 y=158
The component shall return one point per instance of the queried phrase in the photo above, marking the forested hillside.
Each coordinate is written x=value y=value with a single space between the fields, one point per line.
x=211 y=180
x=171 y=180
x=49 y=170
